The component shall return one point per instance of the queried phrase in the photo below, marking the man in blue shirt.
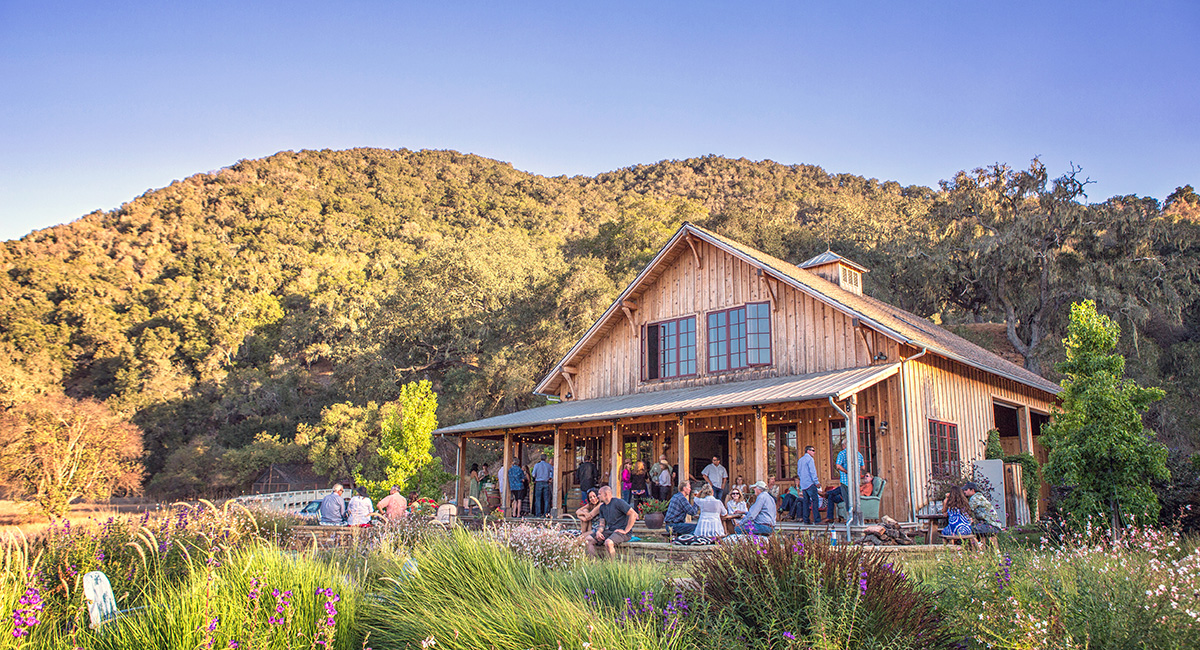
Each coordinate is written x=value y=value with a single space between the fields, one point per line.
x=806 y=480
x=679 y=507
x=542 y=473
x=516 y=487
x=845 y=479
x=333 y=508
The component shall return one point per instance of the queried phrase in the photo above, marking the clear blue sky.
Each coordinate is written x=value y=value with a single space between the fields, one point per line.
x=100 y=103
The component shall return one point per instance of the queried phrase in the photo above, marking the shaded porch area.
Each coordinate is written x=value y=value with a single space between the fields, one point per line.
x=757 y=429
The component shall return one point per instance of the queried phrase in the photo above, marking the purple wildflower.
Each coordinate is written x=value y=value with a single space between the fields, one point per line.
x=862 y=583
x=789 y=636
x=25 y=615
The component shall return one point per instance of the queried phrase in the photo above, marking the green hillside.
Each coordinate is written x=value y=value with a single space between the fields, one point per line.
x=232 y=307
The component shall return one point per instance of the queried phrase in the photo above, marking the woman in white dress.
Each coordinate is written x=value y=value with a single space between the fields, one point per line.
x=711 y=509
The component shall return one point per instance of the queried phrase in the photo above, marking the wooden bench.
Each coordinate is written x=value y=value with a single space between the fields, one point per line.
x=948 y=540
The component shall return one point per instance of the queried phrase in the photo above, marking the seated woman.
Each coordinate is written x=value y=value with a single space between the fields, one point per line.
x=740 y=485
x=711 y=509
x=360 y=508
x=588 y=513
x=736 y=503
x=958 y=509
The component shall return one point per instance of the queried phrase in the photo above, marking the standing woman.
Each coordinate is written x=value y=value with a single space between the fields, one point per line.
x=958 y=509
x=359 y=512
x=626 y=477
x=637 y=483
x=474 y=488
x=711 y=510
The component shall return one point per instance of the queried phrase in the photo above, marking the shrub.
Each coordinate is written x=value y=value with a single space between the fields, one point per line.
x=546 y=547
x=1140 y=592
x=773 y=592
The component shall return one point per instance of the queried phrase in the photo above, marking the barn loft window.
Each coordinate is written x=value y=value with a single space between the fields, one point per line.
x=943 y=447
x=670 y=349
x=739 y=337
x=851 y=280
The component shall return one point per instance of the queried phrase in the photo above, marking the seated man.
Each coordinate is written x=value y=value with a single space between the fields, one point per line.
x=866 y=483
x=333 y=508
x=987 y=522
x=618 y=521
x=833 y=496
x=680 y=507
x=760 y=519
x=790 y=502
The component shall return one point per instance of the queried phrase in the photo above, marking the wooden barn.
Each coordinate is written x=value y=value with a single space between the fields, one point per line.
x=719 y=349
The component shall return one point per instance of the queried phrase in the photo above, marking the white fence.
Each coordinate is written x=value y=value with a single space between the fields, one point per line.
x=282 y=501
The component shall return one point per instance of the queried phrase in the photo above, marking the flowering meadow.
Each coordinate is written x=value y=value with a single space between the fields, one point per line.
x=209 y=577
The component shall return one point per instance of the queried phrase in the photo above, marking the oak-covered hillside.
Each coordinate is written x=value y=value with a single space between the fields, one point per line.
x=223 y=312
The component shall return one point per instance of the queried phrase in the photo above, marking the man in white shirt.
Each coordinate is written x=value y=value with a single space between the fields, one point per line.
x=715 y=475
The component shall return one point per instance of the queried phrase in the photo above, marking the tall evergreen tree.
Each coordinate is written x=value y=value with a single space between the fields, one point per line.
x=1099 y=447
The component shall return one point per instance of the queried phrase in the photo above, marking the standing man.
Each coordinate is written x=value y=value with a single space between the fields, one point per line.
x=394 y=505
x=618 y=521
x=664 y=481
x=715 y=475
x=516 y=485
x=333 y=508
x=806 y=480
x=760 y=519
x=586 y=473
x=844 y=477
x=542 y=473
x=679 y=507
x=652 y=478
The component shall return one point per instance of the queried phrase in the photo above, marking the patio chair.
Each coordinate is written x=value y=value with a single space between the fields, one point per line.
x=101 y=605
x=447 y=514
x=869 y=505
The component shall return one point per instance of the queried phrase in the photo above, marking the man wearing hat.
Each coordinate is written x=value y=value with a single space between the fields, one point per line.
x=760 y=519
x=987 y=522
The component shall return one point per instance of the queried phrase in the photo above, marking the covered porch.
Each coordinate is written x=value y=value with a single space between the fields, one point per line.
x=757 y=428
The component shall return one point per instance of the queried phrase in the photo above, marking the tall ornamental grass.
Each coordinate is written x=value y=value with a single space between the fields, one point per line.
x=252 y=598
x=1142 y=591
x=792 y=592
x=471 y=592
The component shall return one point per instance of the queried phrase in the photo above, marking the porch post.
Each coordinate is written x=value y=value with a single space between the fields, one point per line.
x=507 y=489
x=556 y=501
x=458 y=465
x=614 y=476
x=683 y=450
x=759 y=440
x=852 y=470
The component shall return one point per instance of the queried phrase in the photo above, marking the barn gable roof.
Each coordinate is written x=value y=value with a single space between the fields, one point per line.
x=889 y=320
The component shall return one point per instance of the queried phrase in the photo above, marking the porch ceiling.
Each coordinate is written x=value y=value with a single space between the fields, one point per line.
x=838 y=384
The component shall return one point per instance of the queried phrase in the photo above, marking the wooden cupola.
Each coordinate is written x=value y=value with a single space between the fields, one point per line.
x=838 y=270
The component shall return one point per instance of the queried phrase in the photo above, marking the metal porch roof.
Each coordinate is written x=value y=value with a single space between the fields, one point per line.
x=838 y=384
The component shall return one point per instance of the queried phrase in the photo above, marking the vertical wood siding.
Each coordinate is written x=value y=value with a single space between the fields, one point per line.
x=807 y=335
x=945 y=390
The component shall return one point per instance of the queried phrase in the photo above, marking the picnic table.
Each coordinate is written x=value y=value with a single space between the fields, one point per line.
x=934 y=523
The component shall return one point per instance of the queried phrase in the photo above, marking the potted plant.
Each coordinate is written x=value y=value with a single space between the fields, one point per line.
x=653 y=512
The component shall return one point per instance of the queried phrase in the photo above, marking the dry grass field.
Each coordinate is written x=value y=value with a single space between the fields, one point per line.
x=23 y=516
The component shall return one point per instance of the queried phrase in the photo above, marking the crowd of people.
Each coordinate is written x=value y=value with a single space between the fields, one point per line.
x=707 y=509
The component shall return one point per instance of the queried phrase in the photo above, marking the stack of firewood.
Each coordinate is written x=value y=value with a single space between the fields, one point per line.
x=887 y=533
